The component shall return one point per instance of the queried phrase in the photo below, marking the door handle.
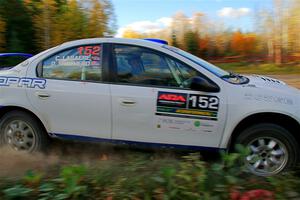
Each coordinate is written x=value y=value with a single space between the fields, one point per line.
x=127 y=102
x=42 y=95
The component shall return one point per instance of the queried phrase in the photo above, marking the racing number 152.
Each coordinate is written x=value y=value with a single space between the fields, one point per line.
x=89 y=50
x=203 y=102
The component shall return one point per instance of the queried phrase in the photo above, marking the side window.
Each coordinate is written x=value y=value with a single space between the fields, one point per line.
x=79 y=63
x=182 y=72
x=138 y=65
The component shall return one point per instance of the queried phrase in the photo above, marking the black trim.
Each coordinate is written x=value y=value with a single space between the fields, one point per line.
x=113 y=68
x=39 y=69
x=106 y=60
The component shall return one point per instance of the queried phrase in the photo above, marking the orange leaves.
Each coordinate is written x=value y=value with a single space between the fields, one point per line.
x=243 y=43
x=204 y=43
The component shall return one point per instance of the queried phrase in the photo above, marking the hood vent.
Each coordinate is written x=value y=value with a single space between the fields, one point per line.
x=269 y=80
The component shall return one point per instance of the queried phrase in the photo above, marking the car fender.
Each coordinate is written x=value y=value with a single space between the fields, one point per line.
x=231 y=126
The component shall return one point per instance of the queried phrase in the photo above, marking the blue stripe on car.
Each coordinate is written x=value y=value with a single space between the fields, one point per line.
x=94 y=139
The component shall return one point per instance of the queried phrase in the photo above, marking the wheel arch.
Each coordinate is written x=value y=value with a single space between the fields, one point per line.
x=286 y=121
x=6 y=109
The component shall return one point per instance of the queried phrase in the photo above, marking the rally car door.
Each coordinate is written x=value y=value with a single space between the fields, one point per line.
x=75 y=100
x=155 y=107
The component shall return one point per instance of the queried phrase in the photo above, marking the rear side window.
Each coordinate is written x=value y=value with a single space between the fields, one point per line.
x=82 y=63
x=11 y=61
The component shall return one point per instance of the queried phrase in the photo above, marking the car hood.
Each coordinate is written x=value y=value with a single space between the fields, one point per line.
x=265 y=81
x=271 y=84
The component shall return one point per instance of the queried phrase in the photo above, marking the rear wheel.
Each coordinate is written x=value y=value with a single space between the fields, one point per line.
x=273 y=149
x=22 y=132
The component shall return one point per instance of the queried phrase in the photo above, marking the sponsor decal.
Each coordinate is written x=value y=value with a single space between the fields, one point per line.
x=70 y=61
x=197 y=123
x=168 y=99
x=268 y=98
x=89 y=50
x=85 y=56
x=185 y=125
x=187 y=105
x=22 y=82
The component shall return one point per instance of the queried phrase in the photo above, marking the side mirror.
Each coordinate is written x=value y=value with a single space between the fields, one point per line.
x=202 y=84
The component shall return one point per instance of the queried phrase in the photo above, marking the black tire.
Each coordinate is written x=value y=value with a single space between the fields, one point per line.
x=39 y=140
x=286 y=145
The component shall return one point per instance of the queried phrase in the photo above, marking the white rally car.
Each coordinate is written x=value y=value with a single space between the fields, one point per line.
x=146 y=92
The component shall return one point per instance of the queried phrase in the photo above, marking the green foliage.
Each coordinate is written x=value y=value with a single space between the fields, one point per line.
x=17 y=191
x=70 y=181
x=18 y=29
x=191 y=42
x=142 y=177
x=32 y=177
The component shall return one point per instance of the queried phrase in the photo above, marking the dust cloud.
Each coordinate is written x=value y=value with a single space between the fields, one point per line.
x=14 y=164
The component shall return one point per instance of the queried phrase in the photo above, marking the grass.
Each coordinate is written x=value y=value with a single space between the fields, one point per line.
x=265 y=68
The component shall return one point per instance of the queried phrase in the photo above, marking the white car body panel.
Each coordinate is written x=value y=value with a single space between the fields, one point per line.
x=97 y=110
x=75 y=107
x=138 y=122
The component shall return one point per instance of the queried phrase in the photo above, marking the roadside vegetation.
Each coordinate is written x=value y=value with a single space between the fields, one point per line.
x=141 y=176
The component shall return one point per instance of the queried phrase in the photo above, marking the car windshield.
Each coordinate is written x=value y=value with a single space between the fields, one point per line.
x=226 y=76
x=208 y=66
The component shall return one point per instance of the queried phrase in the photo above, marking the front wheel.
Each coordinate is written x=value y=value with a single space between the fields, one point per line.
x=273 y=149
x=22 y=132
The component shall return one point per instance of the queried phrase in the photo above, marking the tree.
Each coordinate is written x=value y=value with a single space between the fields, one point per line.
x=45 y=22
x=276 y=21
x=2 y=34
x=191 y=42
x=110 y=23
x=129 y=33
x=19 y=34
x=237 y=42
x=243 y=43
x=97 y=20
x=250 y=43
x=278 y=31
x=174 y=40
x=204 y=46
x=293 y=24
x=71 y=23
x=180 y=25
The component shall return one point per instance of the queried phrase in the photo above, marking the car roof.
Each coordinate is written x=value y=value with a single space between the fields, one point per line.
x=141 y=42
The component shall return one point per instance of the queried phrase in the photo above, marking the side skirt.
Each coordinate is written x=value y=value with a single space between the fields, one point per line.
x=146 y=144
